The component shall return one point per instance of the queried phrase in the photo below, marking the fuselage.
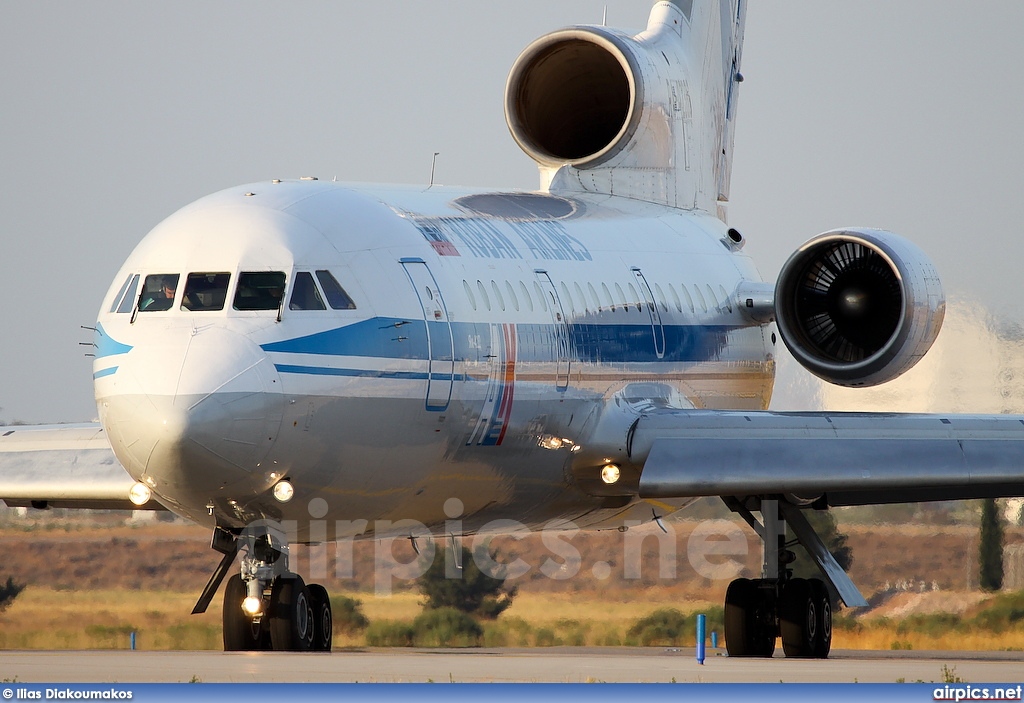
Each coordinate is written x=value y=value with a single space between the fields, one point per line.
x=386 y=349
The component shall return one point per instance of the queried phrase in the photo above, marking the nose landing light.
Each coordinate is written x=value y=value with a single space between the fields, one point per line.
x=140 y=494
x=283 y=491
x=610 y=474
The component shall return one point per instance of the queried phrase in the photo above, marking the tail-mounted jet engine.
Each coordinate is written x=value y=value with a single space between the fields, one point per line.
x=859 y=307
x=605 y=112
x=575 y=96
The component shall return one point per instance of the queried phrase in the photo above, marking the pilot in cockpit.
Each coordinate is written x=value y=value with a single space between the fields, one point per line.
x=162 y=298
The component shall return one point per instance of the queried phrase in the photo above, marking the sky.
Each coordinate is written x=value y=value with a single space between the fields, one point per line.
x=901 y=115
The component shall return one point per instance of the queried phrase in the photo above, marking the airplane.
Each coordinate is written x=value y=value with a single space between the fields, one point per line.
x=304 y=361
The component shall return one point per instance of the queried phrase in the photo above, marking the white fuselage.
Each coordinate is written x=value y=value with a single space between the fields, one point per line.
x=492 y=344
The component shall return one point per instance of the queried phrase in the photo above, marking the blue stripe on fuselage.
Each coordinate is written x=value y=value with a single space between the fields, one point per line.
x=107 y=345
x=395 y=338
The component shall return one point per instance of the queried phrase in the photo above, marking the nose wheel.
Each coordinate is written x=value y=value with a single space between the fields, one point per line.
x=266 y=606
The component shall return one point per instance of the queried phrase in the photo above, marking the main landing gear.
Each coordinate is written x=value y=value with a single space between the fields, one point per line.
x=758 y=611
x=267 y=607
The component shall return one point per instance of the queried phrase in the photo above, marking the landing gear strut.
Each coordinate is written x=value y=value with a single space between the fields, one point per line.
x=265 y=605
x=757 y=611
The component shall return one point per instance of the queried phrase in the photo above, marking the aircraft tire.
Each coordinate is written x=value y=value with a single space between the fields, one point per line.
x=291 y=615
x=241 y=634
x=746 y=634
x=819 y=591
x=323 y=621
x=799 y=619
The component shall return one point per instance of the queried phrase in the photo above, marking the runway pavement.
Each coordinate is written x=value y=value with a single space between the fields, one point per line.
x=543 y=665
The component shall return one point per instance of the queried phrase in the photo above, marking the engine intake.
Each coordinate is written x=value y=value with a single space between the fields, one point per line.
x=574 y=97
x=859 y=307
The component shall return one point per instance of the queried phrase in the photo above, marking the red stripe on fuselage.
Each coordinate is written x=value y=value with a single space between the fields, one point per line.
x=505 y=410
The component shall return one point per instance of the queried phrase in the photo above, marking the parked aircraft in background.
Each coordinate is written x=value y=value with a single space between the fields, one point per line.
x=346 y=359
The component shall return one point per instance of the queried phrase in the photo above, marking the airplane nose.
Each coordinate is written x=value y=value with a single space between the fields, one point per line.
x=195 y=414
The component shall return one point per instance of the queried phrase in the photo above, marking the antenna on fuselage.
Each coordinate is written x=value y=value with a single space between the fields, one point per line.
x=604 y=17
x=433 y=161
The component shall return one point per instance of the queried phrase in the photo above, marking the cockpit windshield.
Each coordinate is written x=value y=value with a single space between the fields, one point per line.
x=205 y=291
x=259 y=291
x=158 y=292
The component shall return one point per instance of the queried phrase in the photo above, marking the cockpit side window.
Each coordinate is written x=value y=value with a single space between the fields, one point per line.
x=262 y=290
x=305 y=296
x=337 y=298
x=205 y=291
x=125 y=300
x=158 y=292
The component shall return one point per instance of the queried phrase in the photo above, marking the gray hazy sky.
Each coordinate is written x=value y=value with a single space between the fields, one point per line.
x=904 y=115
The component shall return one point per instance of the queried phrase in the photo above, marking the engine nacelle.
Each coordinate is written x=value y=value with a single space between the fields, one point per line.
x=859 y=307
x=575 y=96
x=645 y=116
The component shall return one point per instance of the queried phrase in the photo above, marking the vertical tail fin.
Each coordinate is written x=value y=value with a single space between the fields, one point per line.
x=648 y=116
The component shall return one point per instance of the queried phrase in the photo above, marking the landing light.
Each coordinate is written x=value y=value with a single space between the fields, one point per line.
x=283 y=491
x=252 y=605
x=140 y=494
x=610 y=473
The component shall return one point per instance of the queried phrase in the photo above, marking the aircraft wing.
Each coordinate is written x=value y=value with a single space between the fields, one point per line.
x=63 y=466
x=844 y=458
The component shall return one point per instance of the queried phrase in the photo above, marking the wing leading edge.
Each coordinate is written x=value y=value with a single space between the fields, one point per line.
x=63 y=466
x=843 y=458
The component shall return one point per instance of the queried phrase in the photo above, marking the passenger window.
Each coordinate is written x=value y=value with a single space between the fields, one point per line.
x=497 y=295
x=608 y=296
x=305 y=296
x=583 y=298
x=337 y=298
x=483 y=294
x=158 y=292
x=675 y=297
x=512 y=295
x=205 y=291
x=636 y=297
x=689 y=299
x=526 y=295
x=128 y=300
x=726 y=300
x=713 y=298
x=567 y=298
x=540 y=296
x=622 y=297
x=700 y=298
x=660 y=297
x=469 y=293
x=262 y=290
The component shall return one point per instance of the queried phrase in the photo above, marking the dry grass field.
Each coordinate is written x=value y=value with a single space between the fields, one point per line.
x=90 y=586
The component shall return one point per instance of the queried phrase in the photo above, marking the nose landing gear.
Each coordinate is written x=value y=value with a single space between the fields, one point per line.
x=266 y=606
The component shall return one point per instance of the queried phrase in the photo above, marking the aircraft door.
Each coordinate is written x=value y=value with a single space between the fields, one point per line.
x=657 y=328
x=561 y=329
x=440 y=343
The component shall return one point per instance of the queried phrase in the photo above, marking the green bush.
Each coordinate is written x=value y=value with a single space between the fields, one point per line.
x=667 y=627
x=347 y=614
x=931 y=624
x=472 y=591
x=572 y=633
x=446 y=627
x=8 y=592
x=387 y=633
x=1004 y=612
x=508 y=632
x=545 y=637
